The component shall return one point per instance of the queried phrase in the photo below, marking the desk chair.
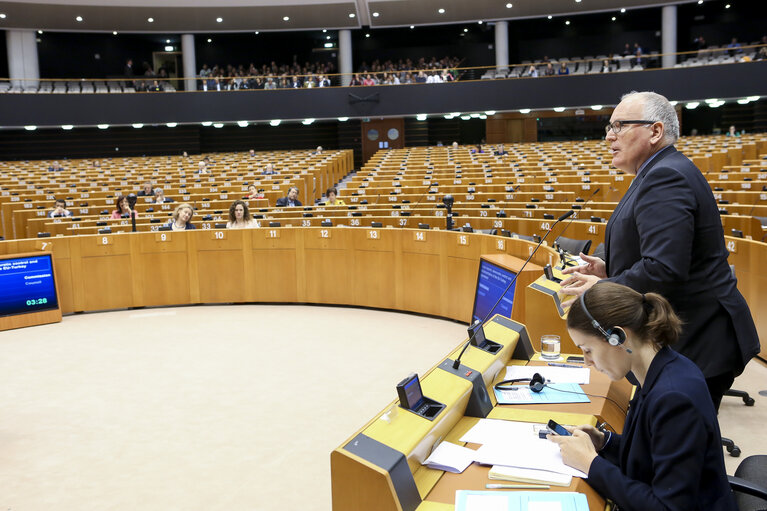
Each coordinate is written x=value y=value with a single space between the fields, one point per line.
x=749 y=484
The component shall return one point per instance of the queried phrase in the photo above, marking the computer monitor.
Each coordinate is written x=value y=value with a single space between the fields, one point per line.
x=28 y=285
x=491 y=282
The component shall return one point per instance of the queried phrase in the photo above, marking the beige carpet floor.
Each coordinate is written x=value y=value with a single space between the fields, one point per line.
x=216 y=407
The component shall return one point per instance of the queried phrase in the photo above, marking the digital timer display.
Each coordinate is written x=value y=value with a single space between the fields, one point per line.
x=27 y=285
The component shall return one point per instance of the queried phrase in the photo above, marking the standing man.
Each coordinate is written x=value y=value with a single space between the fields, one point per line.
x=665 y=236
x=291 y=199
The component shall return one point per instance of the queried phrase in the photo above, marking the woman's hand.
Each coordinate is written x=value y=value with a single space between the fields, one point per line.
x=577 y=450
x=577 y=284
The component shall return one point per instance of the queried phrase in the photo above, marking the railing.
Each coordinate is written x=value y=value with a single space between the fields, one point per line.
x=522 y=70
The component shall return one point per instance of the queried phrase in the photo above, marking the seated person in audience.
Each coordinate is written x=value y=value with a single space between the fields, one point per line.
x=202 y=168
x=253 y=193
x=146 y=191
x=55 y=167
x=239 y=216
x=96 y=164
x=252 y=153
x=734 y=47
x=670 y=453
x=369 y=80
x=447 y=76
x=477 y=149
x=323 y=81
x=626 y=50
x=269 y=170
x=731 y=132
x=332 y=197
x=563 y=69
x=295 y=83
x=356 y=80
x=549 y=71
x=605 y=66
x=420 y=77
x=181 y=219
x=123 y=209
x=500 y=150
x=185 y=155
x=291 y=199
x=318 y=150
x=531 y=71
x=159 y=196
x=59 y=209
x=455 y=145
x=155 y=87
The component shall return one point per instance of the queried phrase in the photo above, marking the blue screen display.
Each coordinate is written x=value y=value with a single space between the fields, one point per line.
x=491 y=282
x=27 y=285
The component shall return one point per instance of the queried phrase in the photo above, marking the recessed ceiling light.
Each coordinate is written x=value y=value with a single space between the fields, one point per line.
x=509 y=6
x=327 y=37
x=549 y=16
x=412 y=27
x=524 y=111
x=114 y=32
x=256 y=32
x=219 y=20
x=465 y=29
x=138 y=125
x=441 y=11
x=727 y=6
x=375 y=14
x=692 y=105
x=150 y=20
x=218 y=124
x=700 y=2
x=559 y=109
x=210 y=40
x=30 y=128
x=102 y=126
x=275 y=122
x=167 y=41
x=79 y=18
x=489 y=112
x=567 y=22
x=169 y=48
x=324 y=30
x=66 y=127
x=207 y=123
x=461 y=34
x=577 y=1
x=286 y=18
x=596 y=107
x=352 y=15
x=623 y=10
x=2 y=15
x=479 y=22
x=39 y=31
x=307 y=122
x=421 y=117
x=614 y=18
x=171 y=124
x=343 y=119
x=367 y=35
x=242 y=124
x=753 y=98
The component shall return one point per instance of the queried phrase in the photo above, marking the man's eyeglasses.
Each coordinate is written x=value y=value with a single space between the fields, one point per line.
x=617 y=126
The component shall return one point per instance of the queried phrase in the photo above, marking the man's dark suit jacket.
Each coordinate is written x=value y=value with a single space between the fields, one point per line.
x=669 y=456
x=283 y=201
x=666 y=236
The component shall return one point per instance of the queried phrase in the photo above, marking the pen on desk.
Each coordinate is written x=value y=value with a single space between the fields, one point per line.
x=554 y=364
x=517 y=486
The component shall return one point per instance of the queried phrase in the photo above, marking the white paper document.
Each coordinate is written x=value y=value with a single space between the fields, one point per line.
x=537 y=453
x=579 y=375
x=450 y=457
x=488 y=431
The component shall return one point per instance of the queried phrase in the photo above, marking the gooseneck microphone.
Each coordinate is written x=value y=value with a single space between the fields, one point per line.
x=457 y=361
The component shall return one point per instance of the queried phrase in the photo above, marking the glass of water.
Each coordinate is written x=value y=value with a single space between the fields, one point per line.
x=550 y=347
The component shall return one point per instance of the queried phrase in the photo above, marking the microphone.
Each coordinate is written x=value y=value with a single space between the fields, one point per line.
x=457 y=361
x=569 y=213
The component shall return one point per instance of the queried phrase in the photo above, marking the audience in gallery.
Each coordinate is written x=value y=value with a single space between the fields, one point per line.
x=291 y=199
x=123 y=209
x=240 y=217
x=55 y=167
x=181 y=219
x=59 y=209
x=332 y=197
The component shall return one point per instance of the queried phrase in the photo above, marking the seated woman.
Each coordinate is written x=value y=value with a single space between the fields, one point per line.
x=670 y=453
x=123 y=209
x=181 y=219
x=332 y=197
x=239 y=216
x=253 y=193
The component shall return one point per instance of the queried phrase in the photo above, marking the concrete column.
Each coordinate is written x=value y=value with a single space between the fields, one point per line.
x=23 y=66
x=669 y=35
x=502 y=45
x=187 y=51
x=345 y=56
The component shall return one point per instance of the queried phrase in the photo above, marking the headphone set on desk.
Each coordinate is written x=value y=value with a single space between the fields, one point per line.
x=536 y=383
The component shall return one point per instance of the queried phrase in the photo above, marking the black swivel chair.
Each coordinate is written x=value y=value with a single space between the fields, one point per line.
x=749 y=484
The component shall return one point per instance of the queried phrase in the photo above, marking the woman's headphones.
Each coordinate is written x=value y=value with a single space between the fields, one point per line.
x=615 y=336
x=536 y=383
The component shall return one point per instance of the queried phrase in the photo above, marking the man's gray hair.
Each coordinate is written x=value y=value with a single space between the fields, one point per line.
x=657 y=108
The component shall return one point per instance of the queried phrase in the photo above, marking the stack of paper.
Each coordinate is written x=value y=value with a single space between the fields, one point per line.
x=450 y=457
x=527 y=475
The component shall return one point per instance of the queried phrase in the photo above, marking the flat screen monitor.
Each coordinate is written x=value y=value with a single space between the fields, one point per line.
x=491 y=282
x=27 y=285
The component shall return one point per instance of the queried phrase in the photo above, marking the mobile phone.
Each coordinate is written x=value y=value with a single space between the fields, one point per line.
x=557 y=429
x=575 y=358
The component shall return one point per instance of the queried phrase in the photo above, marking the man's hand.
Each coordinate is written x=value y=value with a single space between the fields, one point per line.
x=577 y=450
x=577 y=284
x=594 y=266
